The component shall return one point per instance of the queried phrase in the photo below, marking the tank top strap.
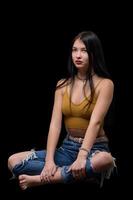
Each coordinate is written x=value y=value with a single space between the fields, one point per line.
x=65 y=90
x=98 y=83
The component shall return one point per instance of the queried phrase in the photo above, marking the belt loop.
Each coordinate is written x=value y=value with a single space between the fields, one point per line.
x=80 y=140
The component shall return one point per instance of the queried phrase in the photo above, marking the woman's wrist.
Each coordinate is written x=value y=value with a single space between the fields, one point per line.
x=83 y=152
x=84 y=149
x=47 y=159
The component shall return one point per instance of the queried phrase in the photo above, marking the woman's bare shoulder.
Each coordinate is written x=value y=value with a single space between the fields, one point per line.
x=103 y=84
x=62 y=84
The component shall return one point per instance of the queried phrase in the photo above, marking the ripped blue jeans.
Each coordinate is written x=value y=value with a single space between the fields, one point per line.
x=65 y=155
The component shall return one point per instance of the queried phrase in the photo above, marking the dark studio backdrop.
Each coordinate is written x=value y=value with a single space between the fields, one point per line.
x=35 y=58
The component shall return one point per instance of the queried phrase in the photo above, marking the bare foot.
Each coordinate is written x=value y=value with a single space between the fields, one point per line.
x=26 y=181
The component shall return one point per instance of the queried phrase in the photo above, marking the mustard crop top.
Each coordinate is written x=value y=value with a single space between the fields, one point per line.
x=77 y=115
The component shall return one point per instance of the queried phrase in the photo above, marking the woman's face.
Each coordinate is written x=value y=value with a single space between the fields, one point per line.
x=80 y=56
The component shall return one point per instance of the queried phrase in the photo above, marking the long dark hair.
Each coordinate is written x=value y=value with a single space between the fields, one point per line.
x=96 y=61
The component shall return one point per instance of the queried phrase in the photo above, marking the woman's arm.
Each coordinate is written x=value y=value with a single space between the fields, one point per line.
x=53 y=137
x=55 y=125
x=104 y=100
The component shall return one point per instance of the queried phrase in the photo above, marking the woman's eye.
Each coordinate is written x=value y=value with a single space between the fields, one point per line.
x=74 y=50
x=84 y=50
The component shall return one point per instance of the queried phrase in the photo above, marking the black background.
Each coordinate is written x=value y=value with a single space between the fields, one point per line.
x=35 y=48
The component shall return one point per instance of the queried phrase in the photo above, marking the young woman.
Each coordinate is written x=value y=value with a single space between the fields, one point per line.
x=83 y=98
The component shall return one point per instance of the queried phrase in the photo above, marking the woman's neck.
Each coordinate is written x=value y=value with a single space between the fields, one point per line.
x=83 y=77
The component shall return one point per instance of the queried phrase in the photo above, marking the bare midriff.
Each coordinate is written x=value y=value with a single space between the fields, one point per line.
x=81 y=132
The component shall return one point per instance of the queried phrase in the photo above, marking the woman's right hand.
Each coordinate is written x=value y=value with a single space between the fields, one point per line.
x=48 y=171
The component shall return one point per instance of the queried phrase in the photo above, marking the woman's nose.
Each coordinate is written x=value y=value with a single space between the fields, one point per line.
x=78 y=54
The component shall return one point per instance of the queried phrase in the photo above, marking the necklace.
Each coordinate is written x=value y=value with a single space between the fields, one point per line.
x=82 y=79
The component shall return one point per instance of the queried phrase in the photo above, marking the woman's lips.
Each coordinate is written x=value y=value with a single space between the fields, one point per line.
x=78 y=62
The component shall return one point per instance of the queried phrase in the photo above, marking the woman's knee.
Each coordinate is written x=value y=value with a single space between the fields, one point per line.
x=102 y=161
x=16 y=159
x=11 y=161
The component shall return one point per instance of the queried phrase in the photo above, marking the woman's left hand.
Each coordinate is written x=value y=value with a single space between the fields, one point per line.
x=78 y=168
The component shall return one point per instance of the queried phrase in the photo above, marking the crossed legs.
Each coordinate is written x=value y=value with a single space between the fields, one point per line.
x=100 y=162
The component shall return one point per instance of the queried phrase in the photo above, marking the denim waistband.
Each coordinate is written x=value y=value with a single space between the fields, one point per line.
x=80 y=140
